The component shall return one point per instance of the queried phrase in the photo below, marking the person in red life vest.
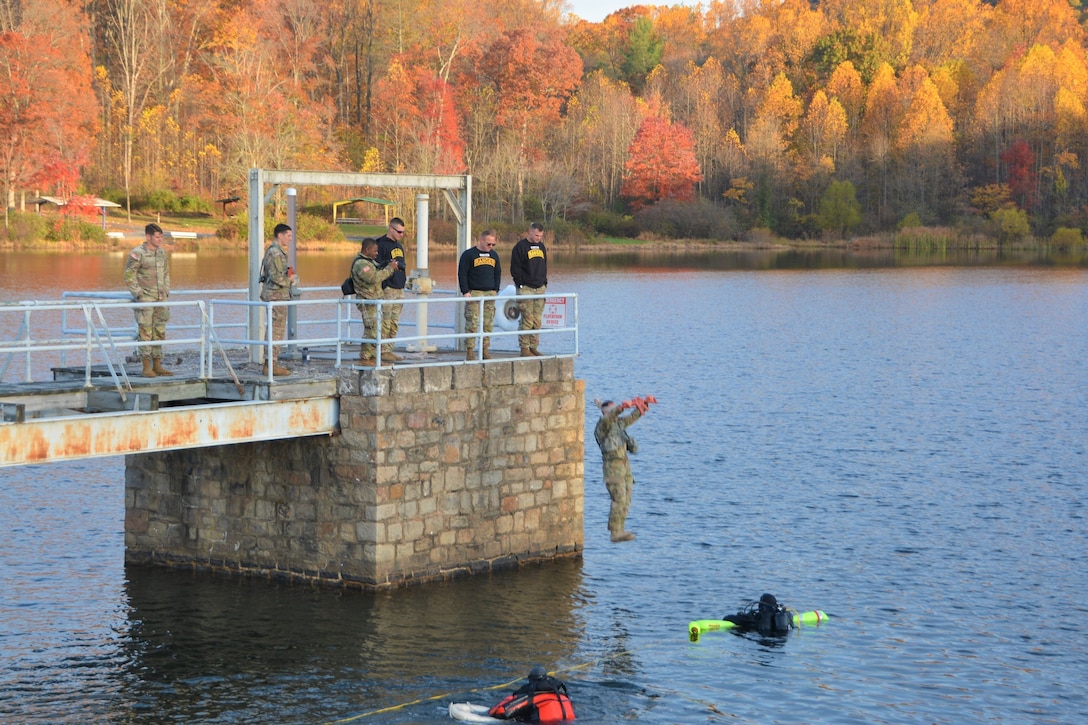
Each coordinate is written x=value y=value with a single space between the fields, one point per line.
x=542 y=699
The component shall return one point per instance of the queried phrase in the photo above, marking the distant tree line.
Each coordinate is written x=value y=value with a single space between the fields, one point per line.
x=803 y=118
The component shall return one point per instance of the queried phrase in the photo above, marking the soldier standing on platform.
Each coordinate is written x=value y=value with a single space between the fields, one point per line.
x=147 y=276
x=529 y=269
x=368 y=278
x=277 y=281
x=479 y=274
x=391 y=255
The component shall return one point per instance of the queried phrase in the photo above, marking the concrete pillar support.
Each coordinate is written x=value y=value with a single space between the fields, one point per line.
x=436 y=474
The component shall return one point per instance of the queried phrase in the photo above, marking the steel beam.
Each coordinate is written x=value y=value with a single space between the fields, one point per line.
x=336 y=178
x=457 y=189
x=256 y=252
x=111 y=434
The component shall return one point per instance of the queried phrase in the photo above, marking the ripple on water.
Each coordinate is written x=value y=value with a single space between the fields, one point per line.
x=904 y=449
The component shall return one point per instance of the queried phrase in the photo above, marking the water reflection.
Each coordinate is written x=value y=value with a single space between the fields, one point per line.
x=199 y=646
x=45 y=275
x=904 y=449
x=808 y=258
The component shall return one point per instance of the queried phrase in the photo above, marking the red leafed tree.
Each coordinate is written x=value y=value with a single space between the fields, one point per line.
x=47 y=112
x=1021 y=165
x=80 y=206
x=20 y=113
x=420 y=131
x=440 y=148
x=661 y=164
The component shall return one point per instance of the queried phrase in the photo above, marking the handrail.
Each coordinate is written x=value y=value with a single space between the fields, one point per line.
x=93 y=329
x=108 y=326
x=11 y=356
x=207 y=319
x=90 y=337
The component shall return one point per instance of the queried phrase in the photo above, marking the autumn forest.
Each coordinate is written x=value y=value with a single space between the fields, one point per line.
x=805 y=118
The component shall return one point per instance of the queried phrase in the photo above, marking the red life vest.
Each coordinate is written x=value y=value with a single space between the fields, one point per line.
x=528 y=704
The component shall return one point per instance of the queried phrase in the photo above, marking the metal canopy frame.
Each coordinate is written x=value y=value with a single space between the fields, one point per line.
x=456 y=189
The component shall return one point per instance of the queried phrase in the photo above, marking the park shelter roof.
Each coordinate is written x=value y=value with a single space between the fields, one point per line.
x=369 y=199
x=372 y=200
x=101 y=203
x=47 y=200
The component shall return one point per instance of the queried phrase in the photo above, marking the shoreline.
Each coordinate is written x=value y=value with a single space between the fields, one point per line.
x=124 y=245
x=602 y=246
x=584 y=247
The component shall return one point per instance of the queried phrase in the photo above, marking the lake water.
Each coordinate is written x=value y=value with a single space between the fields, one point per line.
x=903 y=448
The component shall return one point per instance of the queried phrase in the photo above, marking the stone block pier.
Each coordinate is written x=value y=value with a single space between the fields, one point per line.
x=438 y=471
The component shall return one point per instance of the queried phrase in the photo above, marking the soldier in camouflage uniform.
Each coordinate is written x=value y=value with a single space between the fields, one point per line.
x=368 y=278
x=147 y=276
x=611 y=435
x=277 y=281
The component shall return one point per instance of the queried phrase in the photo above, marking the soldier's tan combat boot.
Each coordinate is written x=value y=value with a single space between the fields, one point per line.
x=159 y=369
x=148 y=371
x=525 y=352
x=536 y=353
x=622 y=536
x=486 y=354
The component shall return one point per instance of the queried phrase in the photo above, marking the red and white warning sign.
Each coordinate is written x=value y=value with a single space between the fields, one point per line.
x=555 y=312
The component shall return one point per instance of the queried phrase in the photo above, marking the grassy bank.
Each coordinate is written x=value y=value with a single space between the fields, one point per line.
x=121 y=235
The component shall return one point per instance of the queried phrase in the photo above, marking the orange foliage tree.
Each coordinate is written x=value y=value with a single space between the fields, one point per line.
x=263 y=117
x=661 y=164
x=927 y=171
x=420 y=130
x=47 y=115
x=913 y=102
x=531 y=76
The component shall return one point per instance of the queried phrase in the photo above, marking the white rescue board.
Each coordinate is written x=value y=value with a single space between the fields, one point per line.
x=467 y=712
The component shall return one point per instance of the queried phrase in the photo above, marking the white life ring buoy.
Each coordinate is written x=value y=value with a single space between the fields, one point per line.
x=507 y=313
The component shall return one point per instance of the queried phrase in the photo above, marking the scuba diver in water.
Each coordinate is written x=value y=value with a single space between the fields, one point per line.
x=542 y=699
x=766 y=616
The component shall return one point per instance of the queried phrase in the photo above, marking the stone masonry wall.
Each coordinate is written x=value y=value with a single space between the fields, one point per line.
x=438 y=472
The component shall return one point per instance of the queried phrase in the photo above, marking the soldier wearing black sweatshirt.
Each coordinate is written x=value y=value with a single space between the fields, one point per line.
x=529 y=268
x=479 y=274
x=391 y=251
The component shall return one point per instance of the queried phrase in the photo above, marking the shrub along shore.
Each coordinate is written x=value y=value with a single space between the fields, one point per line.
x=33 y=232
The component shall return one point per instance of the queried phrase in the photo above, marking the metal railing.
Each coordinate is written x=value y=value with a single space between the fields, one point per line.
x=206 y=321
x=100 y=333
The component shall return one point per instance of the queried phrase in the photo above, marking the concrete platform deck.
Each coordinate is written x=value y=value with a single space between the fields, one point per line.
x=313 y=377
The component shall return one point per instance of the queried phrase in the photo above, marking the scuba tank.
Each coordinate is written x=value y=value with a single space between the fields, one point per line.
x=766 y=616
x=773 y=617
